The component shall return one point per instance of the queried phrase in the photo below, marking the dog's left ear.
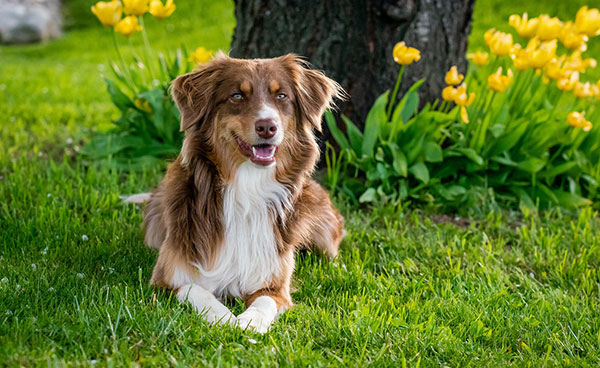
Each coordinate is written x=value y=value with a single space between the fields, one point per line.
x=314 y=91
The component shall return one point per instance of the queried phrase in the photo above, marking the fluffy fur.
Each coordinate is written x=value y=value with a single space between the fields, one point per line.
x=237 y=202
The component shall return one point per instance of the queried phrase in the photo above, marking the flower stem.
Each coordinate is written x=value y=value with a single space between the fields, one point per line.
x=393 y=99
x=123 y=65
x=147 y=48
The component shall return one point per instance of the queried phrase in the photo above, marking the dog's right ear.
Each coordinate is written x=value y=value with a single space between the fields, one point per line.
x=193 y=93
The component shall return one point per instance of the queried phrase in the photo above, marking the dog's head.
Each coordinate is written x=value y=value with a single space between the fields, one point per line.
x=253 y=110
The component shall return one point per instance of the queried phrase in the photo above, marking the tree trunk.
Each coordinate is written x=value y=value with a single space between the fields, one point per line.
x=352 y=41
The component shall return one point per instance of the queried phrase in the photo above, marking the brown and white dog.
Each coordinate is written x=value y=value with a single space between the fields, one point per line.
x=239 y=200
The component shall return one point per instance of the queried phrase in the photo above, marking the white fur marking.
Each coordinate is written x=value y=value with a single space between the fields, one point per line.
x=260 y=315
x=206 y=304
x=136 y=198
x=268 y=112
x=248 y=258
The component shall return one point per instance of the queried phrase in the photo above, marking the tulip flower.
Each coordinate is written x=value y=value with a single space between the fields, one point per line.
x=135 y=7
x=587 y=21
x=583 y=90
x=108 y=13
x=160 y=11
x=499 y=43
x=479 y=58
x=568 y=83
x=499 y=82
x=577 y=120
x=449 y=93
x=572 y=39
x=539 y=54
x=200 y=56
x=519 y=57
x=554 y=69
x=453 y=78
x=128 y=26
x=461 y=98
x=525 y=27
x=405 y=55
x=549 y=28
x=576 y=63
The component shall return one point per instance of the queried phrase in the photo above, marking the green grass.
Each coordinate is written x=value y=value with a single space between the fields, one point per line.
x=508 y=289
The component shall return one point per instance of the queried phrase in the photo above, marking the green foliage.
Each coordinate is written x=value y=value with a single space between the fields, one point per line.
x=520 y=146
x=148 y=129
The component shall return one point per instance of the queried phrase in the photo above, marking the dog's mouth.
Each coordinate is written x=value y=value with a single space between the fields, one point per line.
x=260 y=154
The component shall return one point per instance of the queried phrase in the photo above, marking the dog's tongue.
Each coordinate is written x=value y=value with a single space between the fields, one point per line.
x=263 y=151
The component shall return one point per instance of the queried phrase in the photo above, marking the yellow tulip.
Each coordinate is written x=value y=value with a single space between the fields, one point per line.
x=499 y=82
x=135 y=7
x=572 y=39
x=453 y=78
x=499 y=43
x=405 y=55
x=525 y=27
x=549 y=28
x=108 y=13
x=577 y=120
x=576 y=63
x=519 y=57
x=461 y=98
x=128 y=26
x=587 y=21
x=160 y=11
x=200 y=56
x=479 y=58
x=583 y=90
x=449 y=93
x=554 y=69
x=568 y=82
x=539 y=54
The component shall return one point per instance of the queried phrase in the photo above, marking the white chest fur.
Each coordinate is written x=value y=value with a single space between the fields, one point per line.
x=248 y=258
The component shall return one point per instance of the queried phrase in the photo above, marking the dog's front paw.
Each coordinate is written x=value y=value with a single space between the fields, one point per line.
x=255 y=320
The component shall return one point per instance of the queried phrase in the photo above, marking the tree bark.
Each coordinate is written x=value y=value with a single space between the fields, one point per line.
x=352 y=41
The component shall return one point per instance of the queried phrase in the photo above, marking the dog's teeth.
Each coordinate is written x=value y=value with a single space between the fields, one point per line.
x=254 y=151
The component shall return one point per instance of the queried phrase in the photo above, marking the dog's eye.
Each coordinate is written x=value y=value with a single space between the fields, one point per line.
x=281 y=96
x=237 y=96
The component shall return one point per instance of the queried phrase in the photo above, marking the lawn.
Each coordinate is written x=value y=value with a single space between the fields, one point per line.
x=410 y=287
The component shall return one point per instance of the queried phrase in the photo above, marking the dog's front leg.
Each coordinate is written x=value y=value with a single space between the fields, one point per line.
x=206 y=304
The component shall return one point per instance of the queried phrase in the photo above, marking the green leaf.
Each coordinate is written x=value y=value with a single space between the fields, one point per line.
x=531 y=165
x=571 y=200
x=368 y=196
x=471 y=154
x=433 y=152
x=510 y=139
x=399 y=164
x=557 y=170
x=336 y=133
x=354 y=135
x=408 y=104
x=420 y=171
x=375 y=119
x=497 y=130
x=120 y=99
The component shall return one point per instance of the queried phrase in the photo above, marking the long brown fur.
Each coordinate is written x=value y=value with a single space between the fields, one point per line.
x=184 y=217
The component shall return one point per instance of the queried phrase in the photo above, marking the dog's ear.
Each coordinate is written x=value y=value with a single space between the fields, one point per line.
x=313 y=90
x=194 y=92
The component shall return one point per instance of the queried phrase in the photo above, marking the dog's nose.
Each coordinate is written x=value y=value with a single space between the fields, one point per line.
x=265 y=128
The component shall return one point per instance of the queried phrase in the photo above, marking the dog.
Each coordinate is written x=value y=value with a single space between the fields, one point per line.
x=239 y=200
